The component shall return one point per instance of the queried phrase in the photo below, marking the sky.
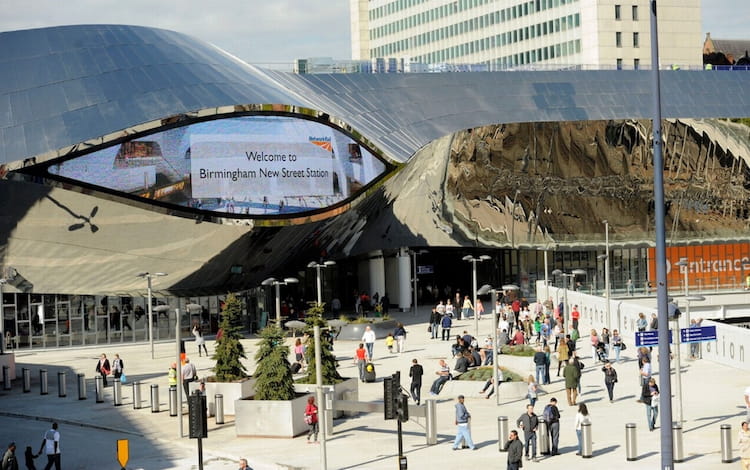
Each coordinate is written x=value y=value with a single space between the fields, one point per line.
x=266 y=32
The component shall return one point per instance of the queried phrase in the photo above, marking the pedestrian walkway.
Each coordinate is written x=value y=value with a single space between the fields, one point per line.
x=712 y=396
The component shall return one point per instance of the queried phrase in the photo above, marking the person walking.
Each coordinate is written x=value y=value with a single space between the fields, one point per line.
x=529 y=423
x=466 y=308
x=10 y=462
x=540 y=360
x=103 y=368
x=368 y=337
x=532 y=391
x=610 y=379
x=572 y=374
x=311 y=419
x=645 y=370
x=200 y=341
x=650 y=398
x=400 y=334
x=189 y=374
x=435 y=318
x=562 y=355
x=118 y=366
x=552 y=416
x=51 y=447
x=582 y=417
x=743 y=442
x=463 y=433
x=514 y=447
x=360 y=358
x=445 y=324
x=29 y=457
x=616 y=344
x=415 y=372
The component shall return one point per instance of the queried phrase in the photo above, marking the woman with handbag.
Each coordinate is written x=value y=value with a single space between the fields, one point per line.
x=102 y=367
x=650 y=398
x=311 y=419
x=118 y=365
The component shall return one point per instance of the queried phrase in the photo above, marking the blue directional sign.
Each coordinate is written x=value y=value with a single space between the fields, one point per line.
x=649 y=338
x=698 y=335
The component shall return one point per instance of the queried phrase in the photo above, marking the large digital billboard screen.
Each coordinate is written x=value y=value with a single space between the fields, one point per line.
x=256 y=165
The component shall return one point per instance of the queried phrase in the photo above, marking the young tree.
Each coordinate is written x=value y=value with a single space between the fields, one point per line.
x=273 y=375
x=328 y=360
x=229 y=350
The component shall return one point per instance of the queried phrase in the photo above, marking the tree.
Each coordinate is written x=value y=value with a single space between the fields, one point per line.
x=229 y=349
x=328 y=360
x=273 y=376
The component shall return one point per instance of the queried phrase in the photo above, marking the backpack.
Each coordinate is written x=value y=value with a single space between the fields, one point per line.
x=548 y=415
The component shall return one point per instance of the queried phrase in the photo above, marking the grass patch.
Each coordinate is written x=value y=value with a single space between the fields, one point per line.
x=520 y=350
x=484 y=373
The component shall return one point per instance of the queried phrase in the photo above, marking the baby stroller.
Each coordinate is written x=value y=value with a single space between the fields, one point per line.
x=601 y=352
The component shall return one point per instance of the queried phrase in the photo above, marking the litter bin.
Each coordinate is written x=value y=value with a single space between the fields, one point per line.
x=542 y=435
x=678 y=452
x=631 y=451
x=502 y=433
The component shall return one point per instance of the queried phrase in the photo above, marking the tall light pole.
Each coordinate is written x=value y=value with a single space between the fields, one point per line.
x=148 y=276
x=271 y=281
x=2 y=317
x=318 y=267
x=415 y=279
x=474 y=261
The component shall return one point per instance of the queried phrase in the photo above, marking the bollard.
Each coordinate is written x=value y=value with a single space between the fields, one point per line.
x=431 y=423
x=726 y=443
x=502 y=433
x=542 y=435
x=62 y=384
x=586 y=447
x=154 y=398
x=6 y=378
x=219 y=399
x=117 y=392
x=631 y=451
x=678 y=453
x=136 y=395
x=26 y=373
x=172 y=401
x=99 y=386
x=81 y=386
x=43 y=390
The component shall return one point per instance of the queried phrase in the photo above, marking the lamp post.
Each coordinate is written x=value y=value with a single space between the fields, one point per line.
x=2 y=317
x=474 y=285
x=271 y=281
x=148 y=276
x=486 y=289
x=318 y=267
x=414 y=253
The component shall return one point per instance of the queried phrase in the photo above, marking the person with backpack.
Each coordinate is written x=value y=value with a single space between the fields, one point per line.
x=552 y=417
x=446 y=327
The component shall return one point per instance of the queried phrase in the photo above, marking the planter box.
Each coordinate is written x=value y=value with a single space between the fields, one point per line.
x=270 y=418
x=346 y=390
x=231 y=391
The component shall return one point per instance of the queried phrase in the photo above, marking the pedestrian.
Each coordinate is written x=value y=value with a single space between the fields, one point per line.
x=311 y=419
x=645 y=370
x=529 y=423
x=467 y=309
x=616 y=344
x=10 y=462
x=650 y=398
x=400 y=334
x=29 y=457
x=604 y=339
x=572 y=374
x=532 y=391
x=641 y=323
x=552 y=416
x=610 y=379
x=103 y=368
x=172 y=376
x=547 y=361
x=540 y=361
x=582 y=417
x=435 y=318
x=360 y=358
x=575 y=315
x=514 y=447
x=594 y=345
x=444 y=375
x=51 y=447
x=415 y=372
x=490 y=385
x=630 y=287
x=445 y=324
x=244 y=465
x=562 y=355
x=299 y=351
x=368 y=337
x=118 y=365
x=743 y=442
x=463 y=433
x=200 y=341
x=189 y=374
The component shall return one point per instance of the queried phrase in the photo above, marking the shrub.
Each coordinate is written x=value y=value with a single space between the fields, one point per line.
x=518 y=350
x=273 y=375
x=330 y=375
x=229 y=349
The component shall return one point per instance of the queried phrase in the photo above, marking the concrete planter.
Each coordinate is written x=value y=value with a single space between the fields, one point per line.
x=231 y=391
x=346 y=390
x=270 y=418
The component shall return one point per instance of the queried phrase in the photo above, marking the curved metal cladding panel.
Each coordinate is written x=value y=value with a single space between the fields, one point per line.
x=65 y=85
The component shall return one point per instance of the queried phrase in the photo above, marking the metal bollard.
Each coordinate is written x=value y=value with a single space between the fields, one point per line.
x=678 y=453
x=43 y=389
x=154 y=398
x=631 y=450
x=99 y=386
x=81 y=386
x=542 y=434
x=172 y=401
x=219 y=400
x=117 y=392
x=726 y=443
x=136 y=395
x=586 y=447
x=431 y=423
x=502 y=433
x=26 y=373
x=62 y=384
x=6 y=378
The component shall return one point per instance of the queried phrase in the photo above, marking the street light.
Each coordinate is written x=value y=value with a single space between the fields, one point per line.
x=318 y=266
x=486 y=289
x=607 y=292
x=414 y=253
x=474 y=285
x=271 y=281
x=148 y=276
x=2 y=317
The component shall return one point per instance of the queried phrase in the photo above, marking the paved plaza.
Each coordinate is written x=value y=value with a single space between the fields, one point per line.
x=712 y=396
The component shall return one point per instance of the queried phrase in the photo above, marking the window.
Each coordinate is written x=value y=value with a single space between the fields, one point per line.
x=635 y=12
x=618 y=15
x=636 y=40
x=618 y=39
x=636 y=63
x=619 y=64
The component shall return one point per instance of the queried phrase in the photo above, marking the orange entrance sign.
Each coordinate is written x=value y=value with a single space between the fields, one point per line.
x=723 y=265
x=123 y=452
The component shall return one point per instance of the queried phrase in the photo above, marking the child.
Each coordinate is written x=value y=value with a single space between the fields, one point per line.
x=30 y=458
x=389 y=340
